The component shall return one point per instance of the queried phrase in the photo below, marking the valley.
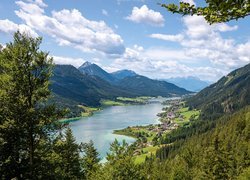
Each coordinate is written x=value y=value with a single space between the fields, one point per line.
x=124 y=90
x=101 y=125
x=91 y=86
x=175 y=114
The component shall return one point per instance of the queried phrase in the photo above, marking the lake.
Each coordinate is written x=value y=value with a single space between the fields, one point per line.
x=100 y=126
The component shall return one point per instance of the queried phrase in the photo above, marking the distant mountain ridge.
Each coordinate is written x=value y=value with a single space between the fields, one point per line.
x=132 y=82
x=149 y=87
x=189 y=83
x=94 y=70
x=123 y=74
x=68 y=82
x=71 y=87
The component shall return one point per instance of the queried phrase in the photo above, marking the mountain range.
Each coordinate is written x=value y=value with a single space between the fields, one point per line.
x=189 y=83
x=94 y=70
x=89 y=84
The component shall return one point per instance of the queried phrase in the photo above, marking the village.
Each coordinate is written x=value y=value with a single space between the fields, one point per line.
x=175 y=114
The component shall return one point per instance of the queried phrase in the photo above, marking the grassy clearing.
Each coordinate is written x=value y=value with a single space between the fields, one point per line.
x=142 y=99
x=137 y=132
x=146 y=152
x=122 y=101
x=68 y=120
x=186 y=116
x=111 y=103
x=88 y=111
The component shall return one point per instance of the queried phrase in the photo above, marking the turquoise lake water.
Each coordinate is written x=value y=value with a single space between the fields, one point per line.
x=100 y=126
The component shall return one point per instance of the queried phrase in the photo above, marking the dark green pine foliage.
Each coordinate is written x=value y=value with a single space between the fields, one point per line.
x=90 y=158
x=120 y=164
x=25 y=121
x=66 y=157
x=219 y=153
x=228 y=95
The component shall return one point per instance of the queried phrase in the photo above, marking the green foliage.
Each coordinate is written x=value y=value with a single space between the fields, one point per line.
x=25 y=121
x=90 y=159
x=220 y=153
x=229 y=94
x=143 y=86
x=215 y=11
x=120 y=165
x=65 y=157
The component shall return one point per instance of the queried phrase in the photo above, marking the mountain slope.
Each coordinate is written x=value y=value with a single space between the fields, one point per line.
x=190 y=83
x=69 y=83
x=148 y=87
x=94 y=70
x=230 y=93
x=123 y=74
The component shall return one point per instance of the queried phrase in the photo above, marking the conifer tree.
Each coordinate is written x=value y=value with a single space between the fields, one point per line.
x=90 y=158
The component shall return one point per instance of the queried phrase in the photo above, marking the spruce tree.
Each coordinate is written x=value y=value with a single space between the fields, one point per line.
x=90 y=158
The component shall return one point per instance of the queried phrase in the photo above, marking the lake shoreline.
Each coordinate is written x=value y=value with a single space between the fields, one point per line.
x=101 y=125
x=120 y=101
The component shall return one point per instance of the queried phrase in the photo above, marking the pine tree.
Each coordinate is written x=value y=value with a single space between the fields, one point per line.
x=121 y=162
x=90 y=158
x=69 y=156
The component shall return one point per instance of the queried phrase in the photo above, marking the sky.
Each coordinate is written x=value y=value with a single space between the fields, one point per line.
x=138 y=35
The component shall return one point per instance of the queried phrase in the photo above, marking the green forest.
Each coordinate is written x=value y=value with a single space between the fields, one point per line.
x=35 y=144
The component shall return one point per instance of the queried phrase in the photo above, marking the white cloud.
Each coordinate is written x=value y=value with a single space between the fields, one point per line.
x=174 y=38
x=10 y=27
x=146 y=15
x=68 y=60
x=32 y=7
x=204 y=42
x=224 y=27
x=162 y=63
x=38 y=2
x=104 y=12
x=71 y=28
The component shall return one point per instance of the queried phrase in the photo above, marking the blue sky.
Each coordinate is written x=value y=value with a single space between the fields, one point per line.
x=130 y=34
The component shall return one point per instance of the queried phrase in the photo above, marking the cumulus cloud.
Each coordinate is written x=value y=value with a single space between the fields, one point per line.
x=68 y=60
x=9 y=27
x=146 y=15
x=174 y=38
x=71 y=28
x=202 y=41
x=162 y=63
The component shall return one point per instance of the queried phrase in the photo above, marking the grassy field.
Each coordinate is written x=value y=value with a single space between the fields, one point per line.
x=146 y=152
x=122 y=101
x=186 y=114
x=136 y=132
x=112 y=103
x=142 y=99
x=88 y=111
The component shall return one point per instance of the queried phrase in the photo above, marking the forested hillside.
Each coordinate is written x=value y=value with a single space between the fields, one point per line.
x=68 y=82
x=72 y=88
x=220 y=153
x=149 y=87
x=230 y=93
